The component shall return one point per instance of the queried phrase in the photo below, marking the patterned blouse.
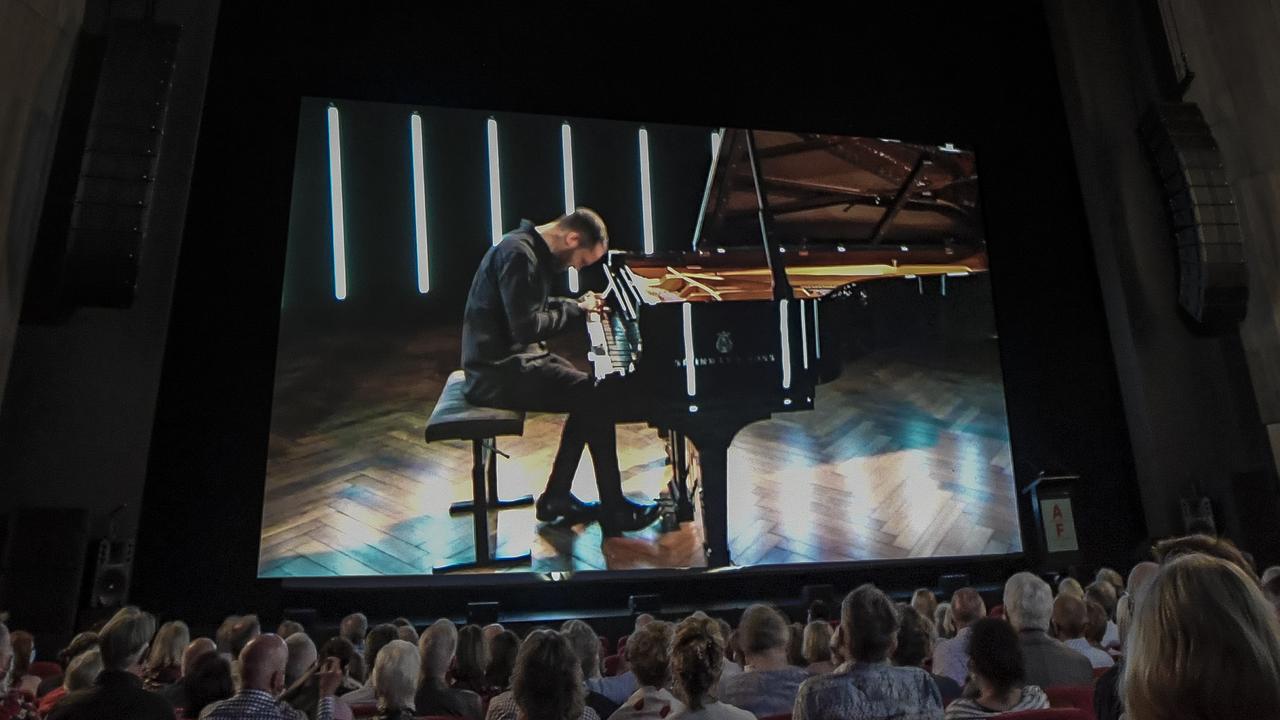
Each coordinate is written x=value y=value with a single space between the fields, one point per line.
x=870 y=690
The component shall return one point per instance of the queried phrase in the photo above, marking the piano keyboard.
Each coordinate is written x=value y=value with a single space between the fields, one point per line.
x=611 y=351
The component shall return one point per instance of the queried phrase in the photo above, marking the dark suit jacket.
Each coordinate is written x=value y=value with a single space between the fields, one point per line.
x=1049 y=663
x=436 y=698
x=115 y=694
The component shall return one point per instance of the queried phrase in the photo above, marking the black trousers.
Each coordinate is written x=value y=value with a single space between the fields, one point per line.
x=553 y=384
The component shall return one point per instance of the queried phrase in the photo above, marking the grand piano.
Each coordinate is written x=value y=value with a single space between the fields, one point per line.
x=748 y=321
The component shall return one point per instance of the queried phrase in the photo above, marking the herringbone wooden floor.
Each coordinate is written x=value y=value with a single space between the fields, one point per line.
x=902 y=458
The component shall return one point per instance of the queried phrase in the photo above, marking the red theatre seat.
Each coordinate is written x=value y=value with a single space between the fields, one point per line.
x=1066 y=696
x=364 y=710
x=1050 y=714
x=45 y=669
x=622 y=643
x=1099 y=672
x=783 y=716
x=611 y=665
x=996 y=612
x=604 y=647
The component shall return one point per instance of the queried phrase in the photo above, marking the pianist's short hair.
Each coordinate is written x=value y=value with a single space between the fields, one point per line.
x=588 y=223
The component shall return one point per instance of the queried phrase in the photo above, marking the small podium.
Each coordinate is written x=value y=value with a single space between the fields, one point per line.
x=1055 y=520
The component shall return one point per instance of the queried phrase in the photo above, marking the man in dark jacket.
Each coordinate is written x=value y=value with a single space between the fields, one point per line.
x=510 y=314
x=118 y=693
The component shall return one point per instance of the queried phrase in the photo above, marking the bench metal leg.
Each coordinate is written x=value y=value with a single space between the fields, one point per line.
x=495 y=503
x=484 y=482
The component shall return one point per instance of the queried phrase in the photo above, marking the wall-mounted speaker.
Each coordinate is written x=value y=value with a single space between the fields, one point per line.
x=1213 y=282
x=113 y=568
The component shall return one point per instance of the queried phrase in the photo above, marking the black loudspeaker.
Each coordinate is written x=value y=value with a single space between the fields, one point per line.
x=101 y=189
x=482 y=613
x=112 y=571
x=42 y=570
x=1213 y=283
x=639 y=604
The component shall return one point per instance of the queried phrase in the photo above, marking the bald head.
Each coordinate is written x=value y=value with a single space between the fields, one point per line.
x=262 y=663
x=196 y=648
x=1069 y=616
x=967 y=607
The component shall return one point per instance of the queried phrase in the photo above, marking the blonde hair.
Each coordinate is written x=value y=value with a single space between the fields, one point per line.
x=1204 y=644
x=394 y=675
x=1071 y=586
x=925 y=602
x=83 y=670
x=125 y=638
x=817 y=641
x=166 y=649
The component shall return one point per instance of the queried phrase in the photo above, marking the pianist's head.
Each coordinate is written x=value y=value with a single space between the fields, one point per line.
x=578 y=239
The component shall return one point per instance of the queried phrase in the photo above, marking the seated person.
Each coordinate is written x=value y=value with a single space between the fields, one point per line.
x=996 y=667
x=697 y=655
x=436 y=646
x=768 y=682
x=650 y=651
x=1070 y=617
x=394 y=680
x=915 y=645
x=817 y=647
x=546 y=683
x=869 y=687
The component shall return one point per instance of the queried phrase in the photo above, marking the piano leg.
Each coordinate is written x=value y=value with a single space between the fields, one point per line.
x=712 y=436
x=680 y=477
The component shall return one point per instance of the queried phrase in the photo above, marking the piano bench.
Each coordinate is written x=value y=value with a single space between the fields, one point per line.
x=456 y=419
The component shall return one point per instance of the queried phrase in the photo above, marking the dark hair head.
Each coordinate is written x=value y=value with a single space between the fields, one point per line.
x=338 y=647
x=547 y=681
x=869 y=622
x=995 y=653
x=819 y=610
x=697 y=656
x=1221 y=548
x=649 y=653
x=915 y=637
x=1095 y=626
x=82 y=643
x=377 y=639
x=502 y=659
x=208 y=681
x=587 y=223
x=244 y=629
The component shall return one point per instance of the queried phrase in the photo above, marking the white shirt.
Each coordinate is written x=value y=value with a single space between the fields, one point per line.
x=648 y=703
x=712 y=711
x=1111 y=638
x=1097 y=657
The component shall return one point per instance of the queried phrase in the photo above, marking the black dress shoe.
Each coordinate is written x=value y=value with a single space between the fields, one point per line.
x=627 y=517
x=563 y=508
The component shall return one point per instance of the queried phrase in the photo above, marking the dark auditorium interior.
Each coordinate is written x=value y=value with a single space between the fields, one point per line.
x=963 y=401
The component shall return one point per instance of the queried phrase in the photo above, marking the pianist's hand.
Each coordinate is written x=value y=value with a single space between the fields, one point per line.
x=592 y=302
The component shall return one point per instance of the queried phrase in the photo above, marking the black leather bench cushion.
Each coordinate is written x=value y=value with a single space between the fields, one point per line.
x=456 y=419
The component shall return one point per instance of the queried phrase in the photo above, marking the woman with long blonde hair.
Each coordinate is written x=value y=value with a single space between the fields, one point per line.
x=1204 y=644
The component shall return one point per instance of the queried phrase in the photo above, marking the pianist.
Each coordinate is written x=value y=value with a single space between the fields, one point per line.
x=509 y=316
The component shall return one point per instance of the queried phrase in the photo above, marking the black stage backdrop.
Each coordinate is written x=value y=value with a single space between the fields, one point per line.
x=980 y=75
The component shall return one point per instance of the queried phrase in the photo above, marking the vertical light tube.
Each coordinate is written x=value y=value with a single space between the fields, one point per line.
x=715 y=144
x=420 y=203
x=817 y=336
x=495 y=184
x=784 y=336
x=566 y=157
x=690 y=376
x=335 y=207
x=646 y=192
x=804 y=336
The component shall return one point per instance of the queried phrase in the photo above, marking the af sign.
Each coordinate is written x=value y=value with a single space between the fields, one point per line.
x=1059 y=526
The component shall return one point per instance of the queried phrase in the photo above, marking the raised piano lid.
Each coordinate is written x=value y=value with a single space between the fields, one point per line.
x=842 y=209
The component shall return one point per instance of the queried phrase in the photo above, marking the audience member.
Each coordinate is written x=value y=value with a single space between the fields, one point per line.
x=697 y=656
x=472 y=658
x=818 y=610
x=262 y=665
x=1108 y=575
x=586 y=647
x=731 y=665
x=289 y=628
x=222 y=636
x=1104 y=593
x=164 y=663
x=795 y=645
x=650 y=651
x=503 y=649
x=354 y=627
x=1269 y=574
x=1168 y=550
x=1070 y=617
x=374 y=642
x=915 y=644
x=346 y=654
x=394 y=678
x=546 y=683
x=1139 y=577
x=117 y=691
x=1095 y=628
x=436 y=646
x=176 y=693
x=1070 y=586
x=944 y=621
x=870 y=687
x=14 y=704
x=996 y=665
x=768 y=682
x=492 y=630
x=1204 y=644
x=1271 y=589
x=24 y=652
x=81 y=643
x=302 y=655
x=817 y=648
x=1028 y=604
x=80 y=675
x=242 y=631
x=951 y=656
x=925 y=602
x=206 y=681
